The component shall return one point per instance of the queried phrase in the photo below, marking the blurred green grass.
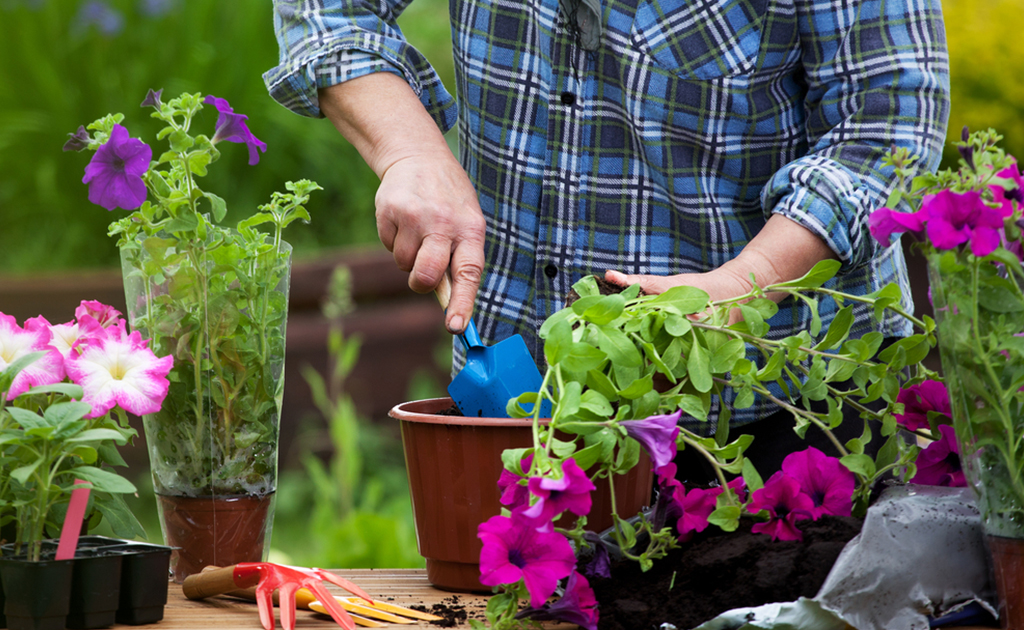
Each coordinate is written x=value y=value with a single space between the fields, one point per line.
x=59 y=71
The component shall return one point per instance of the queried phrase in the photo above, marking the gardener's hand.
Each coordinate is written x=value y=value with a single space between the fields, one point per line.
x=427 y=210
x=783 y=250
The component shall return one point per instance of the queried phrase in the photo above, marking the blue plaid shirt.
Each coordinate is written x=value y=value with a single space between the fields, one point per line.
x=665 y=150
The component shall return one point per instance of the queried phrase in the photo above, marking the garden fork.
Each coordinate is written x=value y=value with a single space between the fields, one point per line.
x=268 y=577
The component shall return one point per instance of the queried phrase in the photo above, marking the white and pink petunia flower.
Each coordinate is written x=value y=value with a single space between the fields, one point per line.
x=119 y=369
x=66 y=336
x=16 y=342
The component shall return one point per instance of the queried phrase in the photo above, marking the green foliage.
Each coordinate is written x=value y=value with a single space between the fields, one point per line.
x=361 y=513
x=46 y=445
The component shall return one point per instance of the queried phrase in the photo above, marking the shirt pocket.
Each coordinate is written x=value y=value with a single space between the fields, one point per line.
x=700 y=39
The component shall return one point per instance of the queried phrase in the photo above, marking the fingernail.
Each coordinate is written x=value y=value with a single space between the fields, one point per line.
x=455 y=325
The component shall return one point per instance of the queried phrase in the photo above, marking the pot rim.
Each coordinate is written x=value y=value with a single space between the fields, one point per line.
x=426 y=411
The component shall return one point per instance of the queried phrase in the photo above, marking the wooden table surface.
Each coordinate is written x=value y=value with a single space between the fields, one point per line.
x=405 y=587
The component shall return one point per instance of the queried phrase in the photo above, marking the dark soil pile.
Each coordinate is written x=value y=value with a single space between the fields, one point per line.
x=720 y=571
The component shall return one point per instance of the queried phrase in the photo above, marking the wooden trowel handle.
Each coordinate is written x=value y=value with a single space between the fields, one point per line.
x=444 y=290
x=211 y=581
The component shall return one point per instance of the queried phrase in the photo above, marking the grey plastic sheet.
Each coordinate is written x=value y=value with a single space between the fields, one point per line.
x=920 y=553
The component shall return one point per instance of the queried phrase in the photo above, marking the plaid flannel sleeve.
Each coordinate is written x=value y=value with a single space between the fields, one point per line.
x=326 y=42
x=877 y=75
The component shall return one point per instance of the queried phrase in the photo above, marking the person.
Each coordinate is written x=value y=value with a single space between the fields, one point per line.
x=663 y=142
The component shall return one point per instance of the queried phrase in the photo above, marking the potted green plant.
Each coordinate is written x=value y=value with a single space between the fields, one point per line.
x=65 y=391
x=967 y=222
x=216 y=299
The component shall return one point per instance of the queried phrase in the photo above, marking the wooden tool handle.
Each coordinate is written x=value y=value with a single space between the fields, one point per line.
x=209 y=582
x=444 y=290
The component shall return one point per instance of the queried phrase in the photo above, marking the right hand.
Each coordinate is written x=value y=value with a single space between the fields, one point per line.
x=428 y=217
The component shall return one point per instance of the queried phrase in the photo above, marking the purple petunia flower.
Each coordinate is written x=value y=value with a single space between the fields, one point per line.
x=577 y=606
x=231 y=127
x=114 y=174
x=824 y=479
x=601 y=564
x=884 y=221
x=78 y=140
x=939 y=464
x=152 y=98
x=918 y=400
x=957 y=218
x=514 y=494
x=570 y=493
x=96 y=13
x=514 y=549
x=786 y=505
x=657 y=434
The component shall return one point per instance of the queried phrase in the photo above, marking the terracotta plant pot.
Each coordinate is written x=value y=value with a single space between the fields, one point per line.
x=214 y=532
x=454 y=463
x=1008 y=568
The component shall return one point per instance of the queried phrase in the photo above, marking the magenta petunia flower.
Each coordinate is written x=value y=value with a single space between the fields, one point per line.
x=939 y=464
x=957 y=218
x=657 y=434
x=667 y=507
x=115 y=172
x=699 y=503
x=569 y=493
x=514 y=494
x=786 y=505
x=231 y=127
x=918 y=400
x=514 y=549
x=824 y=479
x=16 y=342
x=118 y=369
x=884 y=222
x=105 y=315
x=578 y=606
x=1004 y=197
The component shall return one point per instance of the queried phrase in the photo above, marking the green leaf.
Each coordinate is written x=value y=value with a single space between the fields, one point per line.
x=686 y=300
x=999 y=299
x=15 y=368
x=27 y=419
x=638 y=388
x=583 y=357
x=102 y=480
x=725 y=356
x=600 y=309
x=218 y=207
x=61 y=413
x=698 y=368
x=617 y=345
x=586 y=286
x=186 y=222
x=751 y=477
x=816 y=277
x=180 y=141
x=587 y=457
x=22 y=473
x=859 y=464
x=677 y=325
x=120 y=518
x=726 y=517
x=838 y=330
x=752 y=321
x=693 y=406
x=70 y=390
x=95 y=435
x=569 y=401
x=558 y=343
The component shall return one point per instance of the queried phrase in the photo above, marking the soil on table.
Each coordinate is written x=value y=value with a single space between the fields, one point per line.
x=717 y=571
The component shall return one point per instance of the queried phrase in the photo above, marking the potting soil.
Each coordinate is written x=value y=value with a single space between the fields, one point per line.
x=718 y=571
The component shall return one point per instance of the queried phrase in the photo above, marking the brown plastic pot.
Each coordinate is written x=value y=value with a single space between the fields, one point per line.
x=1008 y=567
x=454 y=463
x=217 y=531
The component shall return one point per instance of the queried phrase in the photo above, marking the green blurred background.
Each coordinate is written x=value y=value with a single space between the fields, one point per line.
x=64 y=63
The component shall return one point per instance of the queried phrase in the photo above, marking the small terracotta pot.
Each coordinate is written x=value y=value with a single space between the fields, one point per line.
x=214 y=531
x=454 y=463
x=1008 y=567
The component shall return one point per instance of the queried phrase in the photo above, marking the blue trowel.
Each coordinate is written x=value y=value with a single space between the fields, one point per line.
x=492 y=375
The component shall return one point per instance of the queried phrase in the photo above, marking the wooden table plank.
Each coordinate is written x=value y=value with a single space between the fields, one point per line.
x=404 y=587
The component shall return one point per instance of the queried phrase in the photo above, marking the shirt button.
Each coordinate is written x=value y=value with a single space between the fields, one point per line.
x=551 y=271
x=568 y=98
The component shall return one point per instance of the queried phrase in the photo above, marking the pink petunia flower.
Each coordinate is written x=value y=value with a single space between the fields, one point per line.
x=16 y=342
x=104 y=315
x=578 y=606
x=657 y=434
x=957 y=218
x=786 y=505
x=569 y=493
x=231 y=127
x=514 y=494
x=918 y=400
x=824 y=479
x=698 y=504
x=119 y=369
x=939 y=464
x=514 y=549
x=884 y=222
x=668 y=506
x=114 y=174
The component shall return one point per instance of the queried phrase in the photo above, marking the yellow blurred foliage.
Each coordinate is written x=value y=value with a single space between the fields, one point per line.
x=986 y=49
